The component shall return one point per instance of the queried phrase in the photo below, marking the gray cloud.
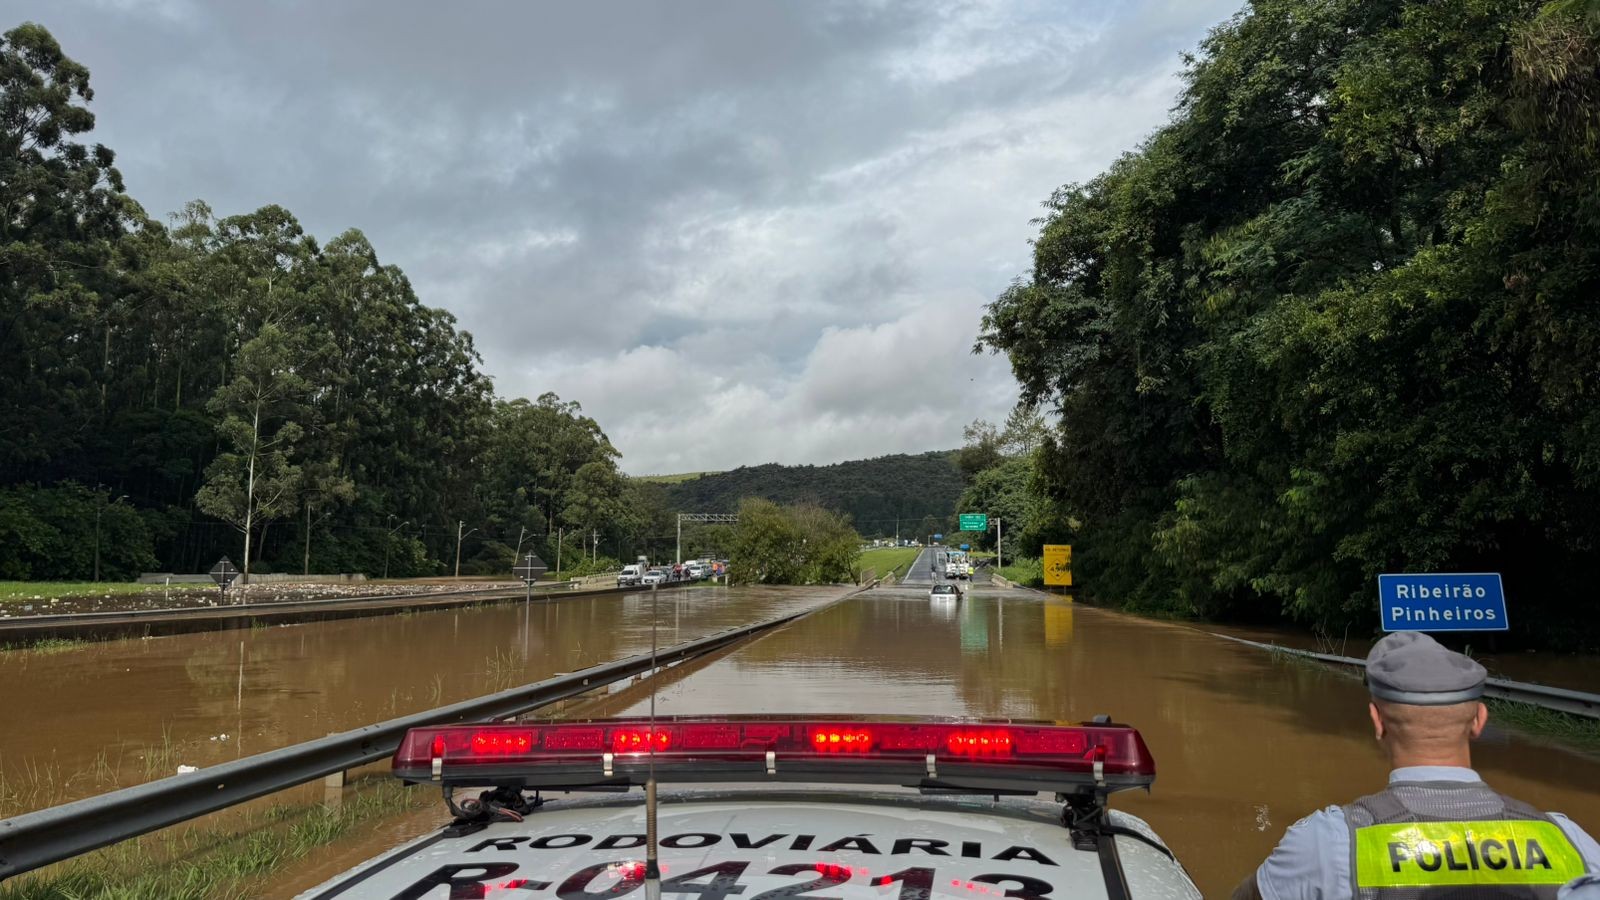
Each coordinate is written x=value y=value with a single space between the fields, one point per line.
x=734 y=231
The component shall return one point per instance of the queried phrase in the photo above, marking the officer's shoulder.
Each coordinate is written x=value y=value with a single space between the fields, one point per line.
x=1325 y=818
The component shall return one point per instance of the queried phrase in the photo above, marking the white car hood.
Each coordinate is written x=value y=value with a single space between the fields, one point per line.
x=767 y=849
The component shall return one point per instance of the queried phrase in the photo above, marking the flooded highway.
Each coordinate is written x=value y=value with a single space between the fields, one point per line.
x=1245 y=744
x=83 y=719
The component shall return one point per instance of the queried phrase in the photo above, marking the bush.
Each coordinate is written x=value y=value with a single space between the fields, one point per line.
x=49 y=534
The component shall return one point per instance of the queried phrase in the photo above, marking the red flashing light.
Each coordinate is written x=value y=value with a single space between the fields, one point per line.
x=1056 y=757
x=987 y=742
x=842 y=740
x=501 y=741
x=639 y=740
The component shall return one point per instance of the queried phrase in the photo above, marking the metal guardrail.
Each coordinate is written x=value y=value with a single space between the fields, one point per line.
x=60 y=832
x=1578 y=703
x=245 y=609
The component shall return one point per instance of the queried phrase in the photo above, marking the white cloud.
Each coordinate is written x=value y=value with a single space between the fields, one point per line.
x=734 y=232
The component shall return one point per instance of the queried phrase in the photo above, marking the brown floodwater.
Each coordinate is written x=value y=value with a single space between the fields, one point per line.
x=82 y=720
x=1244 y=744
x=1574 y=671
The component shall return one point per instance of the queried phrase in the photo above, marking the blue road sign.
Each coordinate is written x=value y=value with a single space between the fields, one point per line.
x=966 y=546
x=938 y=537
x=1471 y=601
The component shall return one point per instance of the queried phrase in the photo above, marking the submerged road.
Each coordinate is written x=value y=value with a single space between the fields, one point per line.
x=98 y=716
x=1245 y=744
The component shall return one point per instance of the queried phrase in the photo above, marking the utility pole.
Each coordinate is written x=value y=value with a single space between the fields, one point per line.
x=459 y=538
x=999 y=544
x=594 y=535
x=680 y=540
x=388 y=541
x=559 y=532
x=897 y=531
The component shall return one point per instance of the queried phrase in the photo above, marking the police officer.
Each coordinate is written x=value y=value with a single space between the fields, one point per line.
x=1437 y=831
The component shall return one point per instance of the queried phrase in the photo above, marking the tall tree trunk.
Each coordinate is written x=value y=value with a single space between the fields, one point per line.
x=305 y=563
x=250 y=487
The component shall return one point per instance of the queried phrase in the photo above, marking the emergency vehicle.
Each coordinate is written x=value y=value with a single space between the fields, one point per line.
x=764 y=808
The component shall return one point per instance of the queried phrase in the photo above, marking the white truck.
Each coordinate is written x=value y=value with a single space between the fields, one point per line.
x=630 y=575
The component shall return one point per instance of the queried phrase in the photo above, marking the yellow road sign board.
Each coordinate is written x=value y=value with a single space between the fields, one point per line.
x=1058 y=565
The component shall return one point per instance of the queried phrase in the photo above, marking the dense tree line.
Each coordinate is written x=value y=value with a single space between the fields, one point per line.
x=877 y=494
x=1337 y=318
x=172 y=392
x=800 y=543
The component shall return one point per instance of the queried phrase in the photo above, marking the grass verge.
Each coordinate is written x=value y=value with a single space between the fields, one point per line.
x=883 y=559
x=1576 y=732
x=232 y=858
x=46 y=645
x=1026 y=572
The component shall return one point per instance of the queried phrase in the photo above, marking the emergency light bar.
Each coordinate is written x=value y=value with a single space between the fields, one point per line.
x=998 y=756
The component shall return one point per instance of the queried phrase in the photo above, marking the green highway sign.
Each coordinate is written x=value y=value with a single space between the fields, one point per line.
x=974 y=521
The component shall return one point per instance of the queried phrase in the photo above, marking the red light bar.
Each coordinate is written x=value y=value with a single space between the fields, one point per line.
x=982 y=755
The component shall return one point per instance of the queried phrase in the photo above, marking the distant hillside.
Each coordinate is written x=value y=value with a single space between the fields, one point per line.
x=673 y=479
x=873 y=492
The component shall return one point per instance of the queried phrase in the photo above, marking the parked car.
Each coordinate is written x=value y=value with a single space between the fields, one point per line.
x=657 y=575
x=629 y=576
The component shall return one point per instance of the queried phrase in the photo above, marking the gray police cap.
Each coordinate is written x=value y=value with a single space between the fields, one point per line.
x=1410 y=667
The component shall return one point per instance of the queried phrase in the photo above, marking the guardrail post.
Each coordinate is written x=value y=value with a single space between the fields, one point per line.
x=333 y=789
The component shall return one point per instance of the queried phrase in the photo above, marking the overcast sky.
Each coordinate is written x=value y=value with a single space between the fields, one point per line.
x=735 y=232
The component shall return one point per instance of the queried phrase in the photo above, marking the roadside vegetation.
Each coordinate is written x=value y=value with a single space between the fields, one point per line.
x=1335 y=319
x=883 y=560
x=802 y=544
x=230 y=855
x=1026 y=572
x=337 y=424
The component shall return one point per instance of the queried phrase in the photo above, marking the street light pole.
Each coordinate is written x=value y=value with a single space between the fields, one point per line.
x=459 y=537
x=388 y=542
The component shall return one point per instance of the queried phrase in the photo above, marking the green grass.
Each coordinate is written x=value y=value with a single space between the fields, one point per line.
x=673 y=479
x=46 y=645
x=882 y=559
x=232 y=857
x=24 y=591
x=1027 y=572
x=1577 y=731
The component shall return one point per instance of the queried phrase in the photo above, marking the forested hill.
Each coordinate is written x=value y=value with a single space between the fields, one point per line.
x=873 y=492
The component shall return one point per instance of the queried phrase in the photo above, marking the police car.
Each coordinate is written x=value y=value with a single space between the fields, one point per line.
x=764 y=808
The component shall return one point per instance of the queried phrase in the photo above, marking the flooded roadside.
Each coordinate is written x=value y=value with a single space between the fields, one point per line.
x=1245 y=744
x=1574 y=671
x=85 y=719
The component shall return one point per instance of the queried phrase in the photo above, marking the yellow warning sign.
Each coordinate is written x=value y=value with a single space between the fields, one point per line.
x=1058 y=565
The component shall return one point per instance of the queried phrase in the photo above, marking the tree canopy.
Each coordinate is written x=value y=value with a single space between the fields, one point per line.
x=1337 y=318
x=246 y=389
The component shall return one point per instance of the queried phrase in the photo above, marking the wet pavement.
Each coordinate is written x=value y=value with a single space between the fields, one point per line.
x=89 y=718
x=1245 y=744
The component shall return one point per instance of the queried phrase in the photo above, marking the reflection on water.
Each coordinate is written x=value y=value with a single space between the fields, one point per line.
x=124 y=712
x=1244 y=744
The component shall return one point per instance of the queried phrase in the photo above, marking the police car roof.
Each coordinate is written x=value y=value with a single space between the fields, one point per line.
x=752 y=841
